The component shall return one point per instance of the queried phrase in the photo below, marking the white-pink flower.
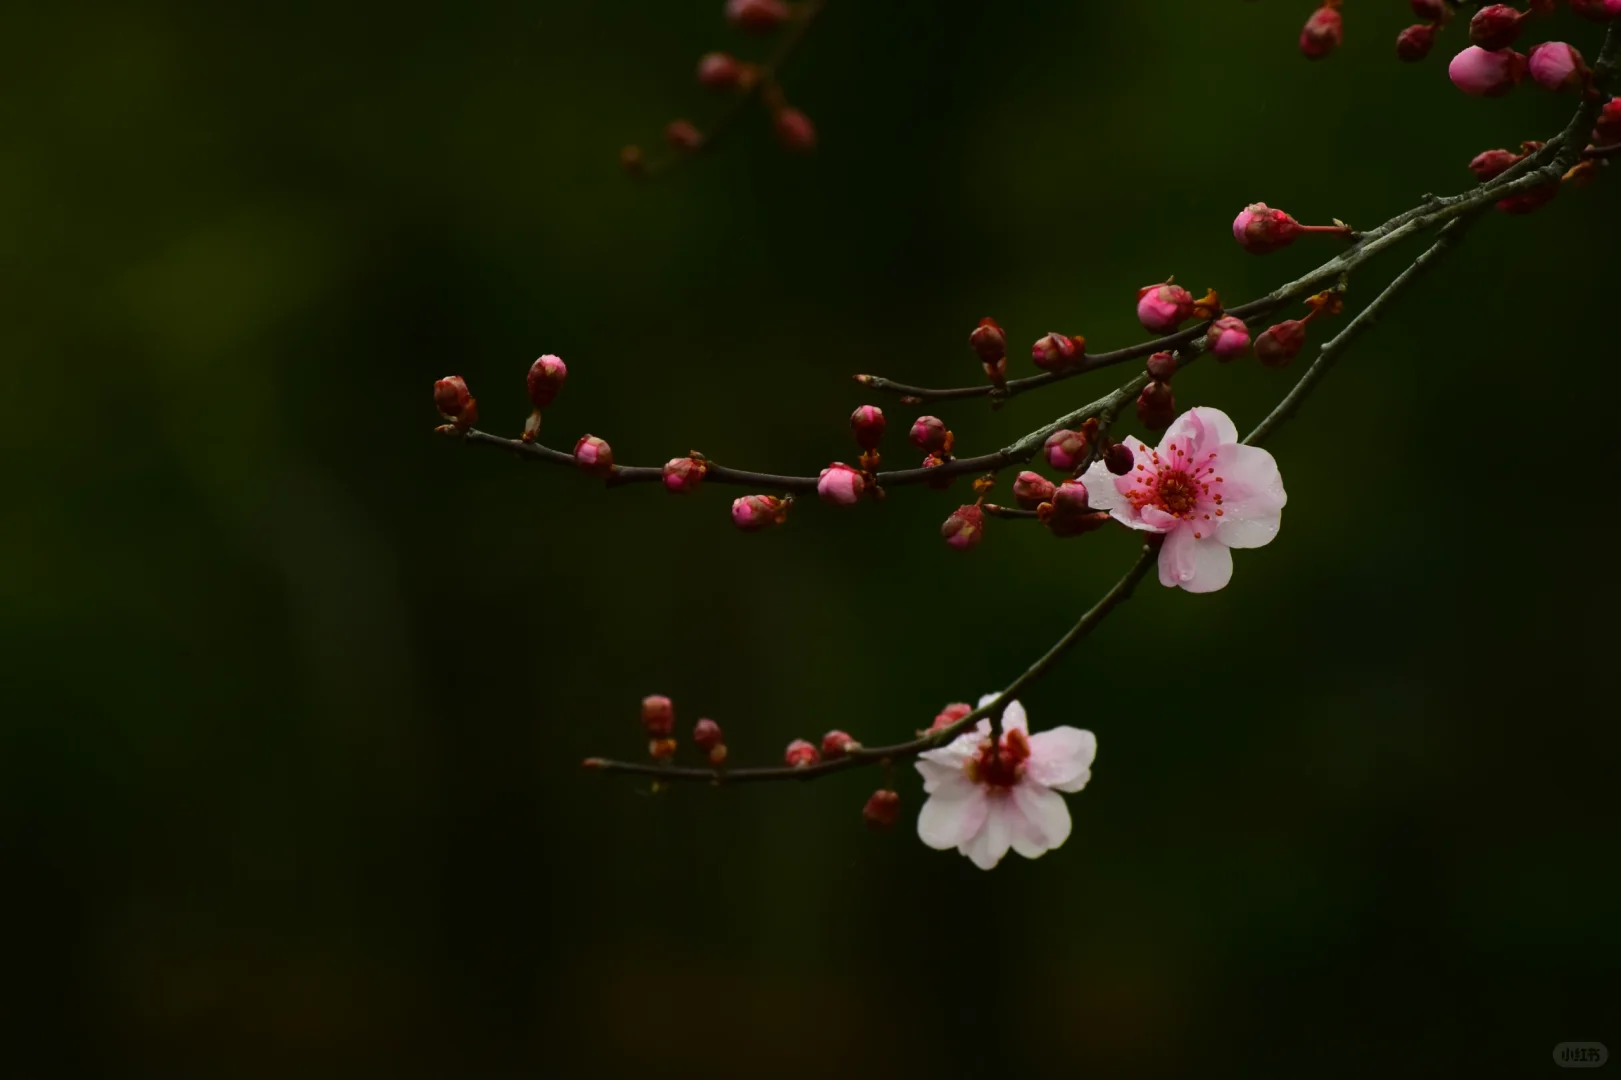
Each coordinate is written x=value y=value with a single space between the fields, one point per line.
x=1203 y=489
x=984 y=799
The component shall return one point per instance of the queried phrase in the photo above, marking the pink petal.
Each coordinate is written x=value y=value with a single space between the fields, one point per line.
x=1046 y=814
x=1251 y=483
x=1212 y=566
x=1102 y=494
x=989 y=843
x=1012 y=716
x=953 y=815
x=1176 y=558
x=1062 y=758
x=1156 y=520
x=1200 y=430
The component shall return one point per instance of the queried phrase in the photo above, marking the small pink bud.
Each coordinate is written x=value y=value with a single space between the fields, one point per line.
x=1322 y=33
x=719 y=71
x=754 y=512
x=965 y=528
x=1279 y=344
x=801 y=754
x=1065 y=450
x=950 y=715
x=707 y=735
x=546 y=378
x=883 y=809
x=1608 y=127
x=1156 y=405
x=1261 y=230
x=1433 y=10
x=938 y=483
x=1490 y=164
x=658 y=715
x=1162 y=365
x=1597 y=10
x=989 y=341
x=1054 y=351
x=1162 y=308
x=1030 y=489
x=683 y=474
x=1415 y=42
x=840 y=485
x=454 y=402
x=1119 y=459
x=1228 y=338
x=1068 y=514
x=835 y=744
x=930 y=435
x=756 y=16
x=594 y=456
x=1495 y=26
x=682 y=136
x=1483 y=73
x=794 y=130
x=1557 y=66
x=661 y=749
x=868 y=423
x=1070 y=498
x=1527 y=201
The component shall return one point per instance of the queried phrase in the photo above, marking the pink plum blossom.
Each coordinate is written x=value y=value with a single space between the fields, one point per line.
x=840 y=485
x=984 y=800
x=1484 y=73
x=1203 y=490
x=1557 y=66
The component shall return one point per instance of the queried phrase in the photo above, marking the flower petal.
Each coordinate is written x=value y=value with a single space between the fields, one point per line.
x=1062 y=758
x=1212 y=566
x=1199 y=431
x=1252 y=491
x=953 y=815
x=1176 y=558
x=988 y=844
x=1012 y=716
x=1101 y=493
x=1046 y=812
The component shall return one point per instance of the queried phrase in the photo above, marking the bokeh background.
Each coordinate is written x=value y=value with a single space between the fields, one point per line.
x=295 y=692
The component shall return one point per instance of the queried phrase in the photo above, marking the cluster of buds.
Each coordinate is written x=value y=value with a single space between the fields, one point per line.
x=1323 y=32
x=989 y=342
x=1261 y=230
x=456 y=405
x=1067 y=512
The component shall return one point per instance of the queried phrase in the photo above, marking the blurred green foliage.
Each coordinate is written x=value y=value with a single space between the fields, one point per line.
x=296 y=692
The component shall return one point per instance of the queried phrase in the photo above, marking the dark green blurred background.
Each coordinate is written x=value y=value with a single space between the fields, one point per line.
x=295 y=692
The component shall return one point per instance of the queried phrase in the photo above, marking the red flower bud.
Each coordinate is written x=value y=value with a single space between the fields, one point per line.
x=1415 y=42
x=752 y=513
x=794 y=130
x=1608 y=127
x=658 y=715
x=835 y=744
x=1030 y=490
x=1054 y=351
x=840 y=485
x=1228 y=338
x=1495 y=26
x=801 y=754
x=950 y=715
x=1262 y=230
x=1156 y=405
x=682 y=136
x=1119 y=459
x=965 y=528
x=1162 y=365
x=989 y=341
x=1483 y=73
x=930 y=435
x=1162 y=308
x=719 y=71
x=1065 y=450
x=594 y=456
x=938 y=483
x=1433 y=10
x=683 y=474
x=1322 y=33
x=1489 y=164
x=1557 y=66
x=1278 y=344
x=868 y=423
x=883 y=809
x=1070 y=498
x=546 y=378
x=1064 y=523
x=707 y=734
x=455 y=404
x=756 y=16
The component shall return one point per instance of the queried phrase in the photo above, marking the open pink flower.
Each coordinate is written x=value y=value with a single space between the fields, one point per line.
x=984 y=799
x=1203 y=489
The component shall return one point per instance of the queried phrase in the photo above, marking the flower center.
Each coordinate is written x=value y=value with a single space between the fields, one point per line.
x=1000 y=766
x=1176 y=493
x=1176 y=484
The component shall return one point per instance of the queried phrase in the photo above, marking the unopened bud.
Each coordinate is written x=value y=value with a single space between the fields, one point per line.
x=801 y=754
x=1156 y=405
x=1063 y=523
x=883 y=809
x=840 y=485
x=1279 y=344
x=794 y=130
x=867 y=423
x=545 y=380
x=1489 y=164
x=1557 y=66
x=1030 y=489
x=594 y=456
x=1162 y=308
x=1162 y=365
x=707 y=734
x=1607 y=129
x=1495 y=26
x=1322 y=33
x=720 y=71
x=683 y=474
x=965 y=528
x=836 y=744
x=988 y=340
x=1055 y=351
x=930 y=435
x=1597 y=10
x=682 y=136
x=1228 y=338
x=752 y=513
x=1483 y=73
x=1065 y=450
x=454 y=402
x=1070 y=497
x=1119 y=459
x=1261 y=230
x=658 y=715
x=1415 y=42
x=661 y=749
x=1433 y=10
x=756 y=16
x=950 y=715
